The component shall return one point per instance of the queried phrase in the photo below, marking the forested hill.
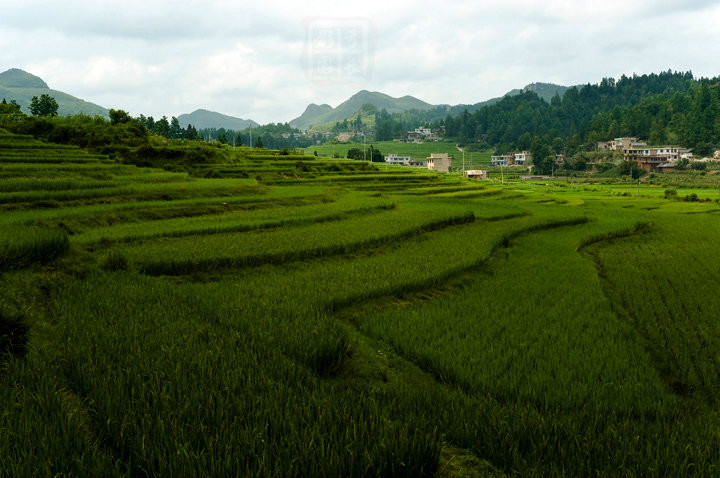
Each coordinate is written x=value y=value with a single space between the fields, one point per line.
x=665 y=107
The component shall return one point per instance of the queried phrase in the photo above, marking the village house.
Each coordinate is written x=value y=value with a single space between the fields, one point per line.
x=652 y=158
x=420 y=134
x=619 y=144
x=439 y=162
x=502 y=160
x=523 y=157
x=475 y=174
x=395 y=159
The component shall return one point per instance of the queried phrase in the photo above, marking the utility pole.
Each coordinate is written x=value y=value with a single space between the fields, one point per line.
x=463 y=162
x=251 y=145
x=364 y=155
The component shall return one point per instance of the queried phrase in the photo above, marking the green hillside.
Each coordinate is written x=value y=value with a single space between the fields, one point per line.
x=21 y=86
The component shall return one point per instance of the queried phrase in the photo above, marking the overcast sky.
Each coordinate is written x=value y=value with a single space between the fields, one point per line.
x=267 y=60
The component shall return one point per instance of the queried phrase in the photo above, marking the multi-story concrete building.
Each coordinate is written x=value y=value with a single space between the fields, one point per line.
x=502 y=160
x=523 y=158
x=652 y=158
x=439 y=162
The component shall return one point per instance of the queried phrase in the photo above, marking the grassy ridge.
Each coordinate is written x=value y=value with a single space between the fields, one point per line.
x=224 y=250
x=239 y=221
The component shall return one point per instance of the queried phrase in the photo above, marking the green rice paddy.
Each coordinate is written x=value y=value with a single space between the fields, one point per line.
x=315 y=317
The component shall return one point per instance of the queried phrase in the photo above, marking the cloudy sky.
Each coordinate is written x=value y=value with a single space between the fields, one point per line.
x=267 y=60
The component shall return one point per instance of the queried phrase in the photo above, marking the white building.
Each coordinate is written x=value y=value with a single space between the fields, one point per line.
x=395 y=159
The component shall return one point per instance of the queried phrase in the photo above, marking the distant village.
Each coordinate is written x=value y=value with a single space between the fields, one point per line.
x=655 y=158
x=650 y=158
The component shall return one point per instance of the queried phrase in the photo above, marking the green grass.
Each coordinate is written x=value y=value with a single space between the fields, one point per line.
x=22 y=246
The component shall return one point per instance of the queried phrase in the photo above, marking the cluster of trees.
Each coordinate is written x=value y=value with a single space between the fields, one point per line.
x=91 y=132
x=12 y=108
x=348 y=126
x=45 y=105
x=272 y=135
x=393 y=126
x=370 y=154
x=168 y=129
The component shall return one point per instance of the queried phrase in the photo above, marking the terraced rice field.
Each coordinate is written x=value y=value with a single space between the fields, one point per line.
x=303 y=317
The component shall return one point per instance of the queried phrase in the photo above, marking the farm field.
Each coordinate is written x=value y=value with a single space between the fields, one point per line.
x=418 y=151
x=287 y=315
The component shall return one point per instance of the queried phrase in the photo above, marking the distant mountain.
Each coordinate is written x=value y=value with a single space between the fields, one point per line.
x=21 y=86
x=319 y=114
x=210 y=119
x=323 y=114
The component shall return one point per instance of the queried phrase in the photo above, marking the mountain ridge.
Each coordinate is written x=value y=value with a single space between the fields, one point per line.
x=322 y=114
x=319 y=114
